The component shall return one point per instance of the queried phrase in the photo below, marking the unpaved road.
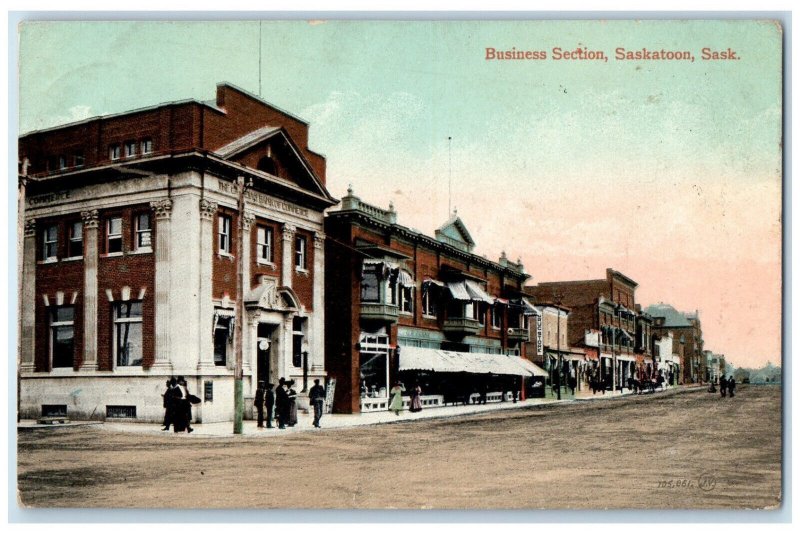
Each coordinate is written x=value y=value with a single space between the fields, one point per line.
x=636 y=452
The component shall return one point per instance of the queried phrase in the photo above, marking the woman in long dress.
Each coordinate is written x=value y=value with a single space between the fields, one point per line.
x=396 y=394
x=416 y=402
x=292 y=396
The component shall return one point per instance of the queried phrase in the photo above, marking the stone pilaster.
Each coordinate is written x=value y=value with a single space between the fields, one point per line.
x=288 y=255
x=247 y=346
x=91 y=223
x=285 y=366
x=162 y=209
x=205 y=349
x=28 y=298
x=317 y=326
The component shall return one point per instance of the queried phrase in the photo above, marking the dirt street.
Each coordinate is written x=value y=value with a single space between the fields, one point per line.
x=673 y=451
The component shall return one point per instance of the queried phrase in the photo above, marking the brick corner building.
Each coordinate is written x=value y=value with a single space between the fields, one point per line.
x=129 y=258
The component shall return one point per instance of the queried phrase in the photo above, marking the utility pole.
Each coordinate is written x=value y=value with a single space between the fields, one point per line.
x=558 y=299
x=238 y=374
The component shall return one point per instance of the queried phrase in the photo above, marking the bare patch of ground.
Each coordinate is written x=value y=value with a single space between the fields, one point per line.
x=671 y=451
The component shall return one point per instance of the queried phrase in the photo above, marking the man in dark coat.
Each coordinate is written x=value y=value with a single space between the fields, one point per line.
x=317 y=396
x=723 y=385
x=281 y=403
x=731 y=385
x=269 y=403
x=258 y=402
x=168 y=405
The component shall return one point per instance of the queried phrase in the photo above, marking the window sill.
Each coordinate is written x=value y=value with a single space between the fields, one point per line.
x=497 y=328
x=143 y=250
x=303 y=272
x=226 y=256
x=430 y=317
x=73 y=258
x=406 y=313
x=47 y=261
x=265 y=263
x=112 y=255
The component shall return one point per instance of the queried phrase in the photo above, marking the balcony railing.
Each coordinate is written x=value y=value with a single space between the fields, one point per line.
x=375 y=311
x=518 y=334
x=461 y=325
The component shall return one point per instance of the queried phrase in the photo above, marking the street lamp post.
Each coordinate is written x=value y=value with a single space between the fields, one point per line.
x=304 y=350
x=238 y=373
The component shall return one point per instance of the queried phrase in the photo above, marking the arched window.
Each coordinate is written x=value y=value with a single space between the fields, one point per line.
x=267 y=164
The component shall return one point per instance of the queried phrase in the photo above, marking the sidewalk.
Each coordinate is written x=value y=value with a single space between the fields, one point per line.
x=329 y=421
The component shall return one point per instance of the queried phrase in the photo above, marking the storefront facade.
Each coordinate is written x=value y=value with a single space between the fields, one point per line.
x=422 y=310
x=131 y=249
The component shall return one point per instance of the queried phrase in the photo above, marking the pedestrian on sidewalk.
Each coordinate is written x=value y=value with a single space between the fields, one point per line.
x=731 y=386
x=416 y=402
x=396 y=394
x=281 y=403
x=258 y=402
x=317 y=397
x=269 y=403
x=169 y=403
x=185 y=407
x=723 y=385
x=291 y=395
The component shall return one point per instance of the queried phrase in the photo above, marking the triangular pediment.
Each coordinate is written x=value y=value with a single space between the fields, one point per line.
x=270 y=150
x=454 y=232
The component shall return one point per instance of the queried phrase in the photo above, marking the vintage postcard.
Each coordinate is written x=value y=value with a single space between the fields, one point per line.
x=338 y=264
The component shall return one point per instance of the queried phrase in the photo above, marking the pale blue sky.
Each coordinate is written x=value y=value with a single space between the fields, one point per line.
x=574 y=166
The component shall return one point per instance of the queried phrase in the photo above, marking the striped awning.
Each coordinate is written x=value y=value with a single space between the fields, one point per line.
x=477 y=293
x=404 y=279
x=458 y=291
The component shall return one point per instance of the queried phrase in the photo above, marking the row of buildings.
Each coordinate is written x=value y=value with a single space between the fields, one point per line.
x=149 y=237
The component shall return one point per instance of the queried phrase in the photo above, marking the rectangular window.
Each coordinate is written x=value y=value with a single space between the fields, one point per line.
x=143 y=232
x=224 y=234
x=128 y=333
x=264 y=244
x=147 y=146
x=298 y=326
x=407 y=299
x=114 y=235
x=370 y=287
x=130 y=149
x=497 y=316
x=113 y=152
x=62 y=336
x=79 y=159
x=62 y=162
x=300 y=253
x=428 y=300
x=50 y=243
x=478 y=313
x=223 y=335
x=75 y=240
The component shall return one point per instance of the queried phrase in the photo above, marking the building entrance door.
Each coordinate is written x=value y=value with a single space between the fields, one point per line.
x=263 y=350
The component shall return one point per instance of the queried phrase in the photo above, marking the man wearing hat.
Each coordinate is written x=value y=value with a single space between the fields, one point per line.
x=269 y=403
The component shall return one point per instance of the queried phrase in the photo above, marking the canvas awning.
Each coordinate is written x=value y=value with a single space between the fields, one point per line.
x=458 y=291
x=404 y=279
x=498 y=300
x=448 y=361
x=430 y=281
x=529 y=366
x=477 y=293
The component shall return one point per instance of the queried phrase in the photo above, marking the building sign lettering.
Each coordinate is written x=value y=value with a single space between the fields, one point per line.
x=49 y=198
x=265 y=200
x=539 y=341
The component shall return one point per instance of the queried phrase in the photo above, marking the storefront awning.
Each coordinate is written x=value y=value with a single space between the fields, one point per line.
x=529 y=366
x=436 y=283
x=528 y=308
x=448 y=361
x=404 y=279
x=477 y=293
x=498 y=300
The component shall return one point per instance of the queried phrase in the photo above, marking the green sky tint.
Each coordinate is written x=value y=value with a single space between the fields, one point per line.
x=669 y=171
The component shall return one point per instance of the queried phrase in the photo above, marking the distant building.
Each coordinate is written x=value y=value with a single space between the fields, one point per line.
x=401 y=305
x=607 y=307
x=687 y=339
x=130 y=257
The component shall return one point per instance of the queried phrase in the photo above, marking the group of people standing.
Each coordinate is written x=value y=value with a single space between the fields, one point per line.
x=284 y=403
x=396 y=398
x=727 y=386
x=178 y=405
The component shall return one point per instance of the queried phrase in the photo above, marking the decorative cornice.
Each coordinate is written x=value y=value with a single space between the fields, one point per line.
x=91 y=218
x=162 y=208
x=207 y=209
x=30 y=228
